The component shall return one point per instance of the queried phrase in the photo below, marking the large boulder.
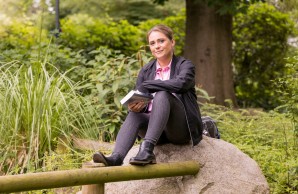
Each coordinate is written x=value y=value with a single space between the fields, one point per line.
x=224 y=169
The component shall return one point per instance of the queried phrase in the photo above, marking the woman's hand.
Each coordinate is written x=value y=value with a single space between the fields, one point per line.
x=136 y=106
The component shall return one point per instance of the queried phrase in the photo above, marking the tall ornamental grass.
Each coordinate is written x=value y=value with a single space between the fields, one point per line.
x=39 y=107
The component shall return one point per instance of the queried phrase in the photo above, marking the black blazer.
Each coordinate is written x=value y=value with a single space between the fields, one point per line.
x=182 y=84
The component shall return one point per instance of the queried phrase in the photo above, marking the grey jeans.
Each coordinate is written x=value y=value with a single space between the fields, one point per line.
x=166 y=123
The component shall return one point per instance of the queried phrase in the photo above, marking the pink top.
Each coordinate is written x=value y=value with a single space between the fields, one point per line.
x=162 y=74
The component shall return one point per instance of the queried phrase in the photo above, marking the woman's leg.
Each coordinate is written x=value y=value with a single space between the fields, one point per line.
x=168 y=117
x=125 y=139
x=128 y=132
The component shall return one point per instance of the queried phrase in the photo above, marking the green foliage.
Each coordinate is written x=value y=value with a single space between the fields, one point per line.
x=82 y=32
x=223 y=6
x=268 y=138
x=136 y=11
x=110 y=75
x=19 y=35
x=88 y=33
x=289 y=6
x=94 y=8
x=265 y=137
x=15 y=8
x=232 y=6
x=15 y=48
x=39 y=105
x=260 y=38
x=80 y=35
x=203 y=96
x=287 y=87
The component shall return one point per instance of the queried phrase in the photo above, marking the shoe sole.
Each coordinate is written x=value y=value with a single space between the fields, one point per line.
x=142 y=163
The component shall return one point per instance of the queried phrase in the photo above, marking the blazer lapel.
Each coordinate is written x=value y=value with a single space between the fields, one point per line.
x=152 y=69
x=173 y=66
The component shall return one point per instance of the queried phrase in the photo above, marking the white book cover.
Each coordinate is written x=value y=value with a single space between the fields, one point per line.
x=136 y=96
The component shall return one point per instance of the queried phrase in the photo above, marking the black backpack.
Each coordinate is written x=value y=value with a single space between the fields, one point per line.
x=209 y=127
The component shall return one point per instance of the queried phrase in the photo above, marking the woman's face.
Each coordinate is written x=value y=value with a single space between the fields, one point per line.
x=161 y=46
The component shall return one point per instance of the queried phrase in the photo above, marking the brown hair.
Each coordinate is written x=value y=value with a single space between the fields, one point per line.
x=163 y=29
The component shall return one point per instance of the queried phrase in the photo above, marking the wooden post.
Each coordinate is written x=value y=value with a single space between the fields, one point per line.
x=95 y=188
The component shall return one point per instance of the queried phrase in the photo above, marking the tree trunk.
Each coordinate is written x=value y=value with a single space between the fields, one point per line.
x=209 y=46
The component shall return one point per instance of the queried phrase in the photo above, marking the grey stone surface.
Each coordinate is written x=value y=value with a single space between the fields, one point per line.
x=224 y=169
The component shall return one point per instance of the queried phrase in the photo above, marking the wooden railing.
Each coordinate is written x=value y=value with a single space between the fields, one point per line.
x=94 y=177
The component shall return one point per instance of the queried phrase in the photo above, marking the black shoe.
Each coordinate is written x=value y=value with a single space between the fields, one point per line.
x=113 y=160
x=145 y=155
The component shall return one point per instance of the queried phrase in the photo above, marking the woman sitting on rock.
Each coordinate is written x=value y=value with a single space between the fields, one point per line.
x=173 y=116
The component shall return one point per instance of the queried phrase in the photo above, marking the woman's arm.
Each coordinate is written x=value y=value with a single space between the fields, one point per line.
x=182 y=82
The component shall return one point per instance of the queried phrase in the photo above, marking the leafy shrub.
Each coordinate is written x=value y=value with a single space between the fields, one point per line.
x=20 y=34
x=287 y=87
x=260 y=37
x=110 y=75
x=88 y=33
x=84 y=32
x=136 y=11
x=17 y=38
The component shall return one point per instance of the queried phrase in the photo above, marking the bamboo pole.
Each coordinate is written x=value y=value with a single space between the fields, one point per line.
x=87 y=176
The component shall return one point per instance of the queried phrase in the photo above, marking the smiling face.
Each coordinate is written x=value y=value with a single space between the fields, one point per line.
x=162 y=48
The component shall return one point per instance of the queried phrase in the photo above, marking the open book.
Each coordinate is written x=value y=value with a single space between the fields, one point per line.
x=136 y=96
